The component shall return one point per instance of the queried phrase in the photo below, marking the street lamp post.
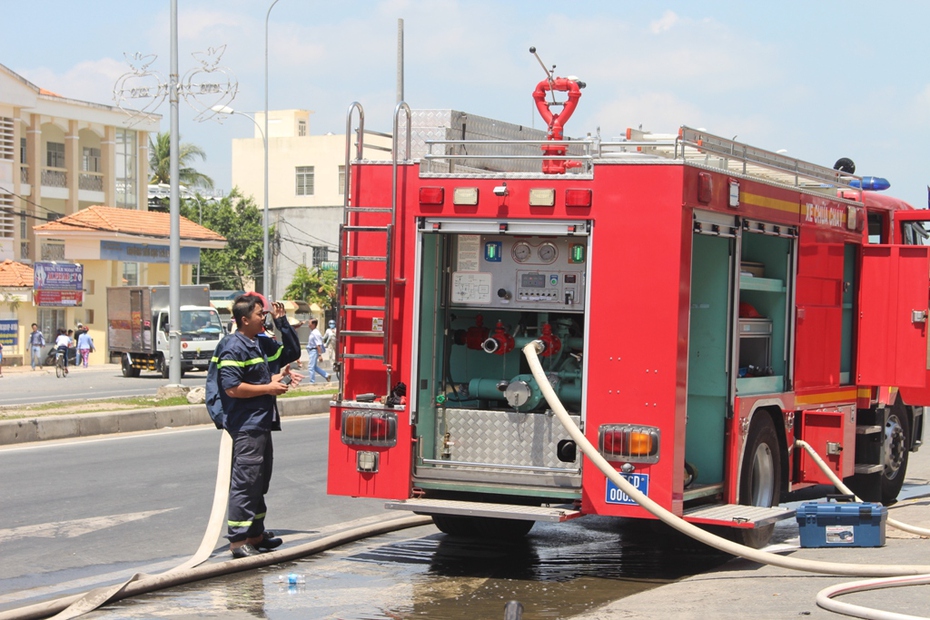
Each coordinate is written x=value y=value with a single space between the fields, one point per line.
x=266 y=280
x=227 y=111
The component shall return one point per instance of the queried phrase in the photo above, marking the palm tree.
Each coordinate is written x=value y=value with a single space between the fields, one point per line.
x=160 y=162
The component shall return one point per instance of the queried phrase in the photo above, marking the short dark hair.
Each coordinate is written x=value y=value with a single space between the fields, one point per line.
x=243 y=306
x=34 y=325
x=313 y=321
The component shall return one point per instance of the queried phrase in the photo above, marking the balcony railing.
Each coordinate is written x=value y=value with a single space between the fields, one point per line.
x=92 y=181
x=55 y=178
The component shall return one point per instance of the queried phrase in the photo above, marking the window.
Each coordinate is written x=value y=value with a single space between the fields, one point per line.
x=91 y=160
x=342 y=180
x=55 y=155
x=22 y=150
x=130 y=274
x=304 y=176
x=301 y=128
x=126 y=195
x=50 y=320
x=7 y=225
x=6 y=138
x=320 y=254
x=53 y=251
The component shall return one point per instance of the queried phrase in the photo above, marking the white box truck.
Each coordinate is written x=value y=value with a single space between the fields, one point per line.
x=138 y=323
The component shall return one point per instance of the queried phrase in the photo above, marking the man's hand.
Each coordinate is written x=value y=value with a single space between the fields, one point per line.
x=278 y=310
x=279 y=384
x=296 y=377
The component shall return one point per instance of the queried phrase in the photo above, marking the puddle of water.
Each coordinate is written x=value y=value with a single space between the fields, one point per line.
x=558 y=571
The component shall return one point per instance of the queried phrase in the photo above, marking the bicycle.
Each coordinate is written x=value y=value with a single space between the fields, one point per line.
x=61 y=370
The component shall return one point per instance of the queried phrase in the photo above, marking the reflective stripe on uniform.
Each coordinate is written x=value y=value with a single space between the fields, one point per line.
x=245 y=523
x=251 y=362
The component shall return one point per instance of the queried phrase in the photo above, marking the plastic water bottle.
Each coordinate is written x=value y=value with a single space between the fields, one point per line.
x=292 y=579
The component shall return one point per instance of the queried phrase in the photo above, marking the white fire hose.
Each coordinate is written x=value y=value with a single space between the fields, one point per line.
x=919 y=573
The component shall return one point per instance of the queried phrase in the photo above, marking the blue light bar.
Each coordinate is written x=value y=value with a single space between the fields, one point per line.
x=876 y=184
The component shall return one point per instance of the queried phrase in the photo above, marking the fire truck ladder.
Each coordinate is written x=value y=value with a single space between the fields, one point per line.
x=358 y=257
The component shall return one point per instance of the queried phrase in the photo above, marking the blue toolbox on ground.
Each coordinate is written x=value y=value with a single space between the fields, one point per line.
x=842 y=524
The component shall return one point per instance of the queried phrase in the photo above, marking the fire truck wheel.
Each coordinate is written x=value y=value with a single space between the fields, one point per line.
x=894 y=454
x=760 y=476
x=482 y=527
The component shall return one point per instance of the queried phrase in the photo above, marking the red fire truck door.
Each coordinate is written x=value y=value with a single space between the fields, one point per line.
x=893 y=300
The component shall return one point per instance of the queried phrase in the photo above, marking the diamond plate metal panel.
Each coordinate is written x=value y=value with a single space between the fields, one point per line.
x=502 y=438
x=455 y=125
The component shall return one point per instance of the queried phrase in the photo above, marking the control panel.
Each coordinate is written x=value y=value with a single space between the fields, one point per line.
x=503 y=271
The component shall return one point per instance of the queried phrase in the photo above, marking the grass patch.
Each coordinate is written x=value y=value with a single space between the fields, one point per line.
x=121 y=404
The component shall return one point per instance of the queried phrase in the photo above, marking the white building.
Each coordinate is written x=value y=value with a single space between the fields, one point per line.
x=305 y=185
x=58 y=156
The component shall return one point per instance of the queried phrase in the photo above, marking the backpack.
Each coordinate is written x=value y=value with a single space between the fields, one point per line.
x=212 y=389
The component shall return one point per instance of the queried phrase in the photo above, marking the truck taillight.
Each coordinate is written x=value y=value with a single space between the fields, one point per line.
x=432 y=195
x=630 y=443
x=578 y=198
x=369 y=428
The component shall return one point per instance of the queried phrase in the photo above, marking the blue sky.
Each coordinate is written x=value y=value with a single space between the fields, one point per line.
x=822 y=79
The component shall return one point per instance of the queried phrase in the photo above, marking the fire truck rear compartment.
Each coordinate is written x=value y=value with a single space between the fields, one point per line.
x=483 y=428
x=484 y=433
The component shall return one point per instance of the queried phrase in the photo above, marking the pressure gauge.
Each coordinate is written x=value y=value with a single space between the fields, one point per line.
x=522 y=252
x=547 y=252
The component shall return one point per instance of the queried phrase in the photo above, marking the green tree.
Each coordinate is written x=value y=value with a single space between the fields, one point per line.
x=315 y=287
x=238 y=219
x=160 y=162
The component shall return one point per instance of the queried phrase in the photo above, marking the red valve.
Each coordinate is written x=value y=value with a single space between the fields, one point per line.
x=500 y=341
x=552 y=342
x=476 y=334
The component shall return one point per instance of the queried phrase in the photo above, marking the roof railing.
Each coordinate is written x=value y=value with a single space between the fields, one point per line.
x=693 y=146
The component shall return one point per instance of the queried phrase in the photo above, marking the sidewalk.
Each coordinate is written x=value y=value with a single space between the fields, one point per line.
x=49 y=427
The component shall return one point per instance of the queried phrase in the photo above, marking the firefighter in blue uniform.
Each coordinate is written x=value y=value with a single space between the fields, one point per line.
x=249 y=370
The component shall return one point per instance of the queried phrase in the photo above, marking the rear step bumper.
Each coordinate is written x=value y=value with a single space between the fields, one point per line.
x=735 y=515
x=731 y=515
x=553 y=514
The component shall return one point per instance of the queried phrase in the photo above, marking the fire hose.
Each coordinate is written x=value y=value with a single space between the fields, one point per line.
x=919 y=573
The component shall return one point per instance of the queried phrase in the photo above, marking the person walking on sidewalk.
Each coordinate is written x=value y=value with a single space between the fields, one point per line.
x=36 y=342
x=315 y=352
x=1 y=360
x=329 y=340
x=85 y=345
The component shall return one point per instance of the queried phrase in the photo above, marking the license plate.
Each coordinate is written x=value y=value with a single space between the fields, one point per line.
x=616 y=496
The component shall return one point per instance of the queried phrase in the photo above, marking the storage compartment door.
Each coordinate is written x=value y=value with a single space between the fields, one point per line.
x=892 y=344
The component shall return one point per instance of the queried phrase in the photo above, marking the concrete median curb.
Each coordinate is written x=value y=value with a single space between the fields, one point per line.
x=44 y=428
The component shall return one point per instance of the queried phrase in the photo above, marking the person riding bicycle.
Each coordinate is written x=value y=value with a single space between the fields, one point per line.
x=62 y=344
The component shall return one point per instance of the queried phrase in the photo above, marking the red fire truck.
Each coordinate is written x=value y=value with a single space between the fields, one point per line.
x=702 y=304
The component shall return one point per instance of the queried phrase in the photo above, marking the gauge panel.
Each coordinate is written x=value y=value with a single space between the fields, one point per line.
x=541 y=273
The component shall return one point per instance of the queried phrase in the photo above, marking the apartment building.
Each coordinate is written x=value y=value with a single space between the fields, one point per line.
x=60 y=155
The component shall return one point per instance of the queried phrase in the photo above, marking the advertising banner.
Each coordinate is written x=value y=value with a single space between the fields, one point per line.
x=9 y=332
x=59 y=284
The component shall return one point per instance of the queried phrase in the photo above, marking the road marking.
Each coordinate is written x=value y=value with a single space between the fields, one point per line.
x=76 y=527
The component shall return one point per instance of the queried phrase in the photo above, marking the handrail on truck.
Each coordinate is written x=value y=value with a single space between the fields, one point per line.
x=401 y=107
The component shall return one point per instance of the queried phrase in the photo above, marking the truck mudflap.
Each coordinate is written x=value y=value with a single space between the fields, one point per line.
x=737 y=515
x=552 y=514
